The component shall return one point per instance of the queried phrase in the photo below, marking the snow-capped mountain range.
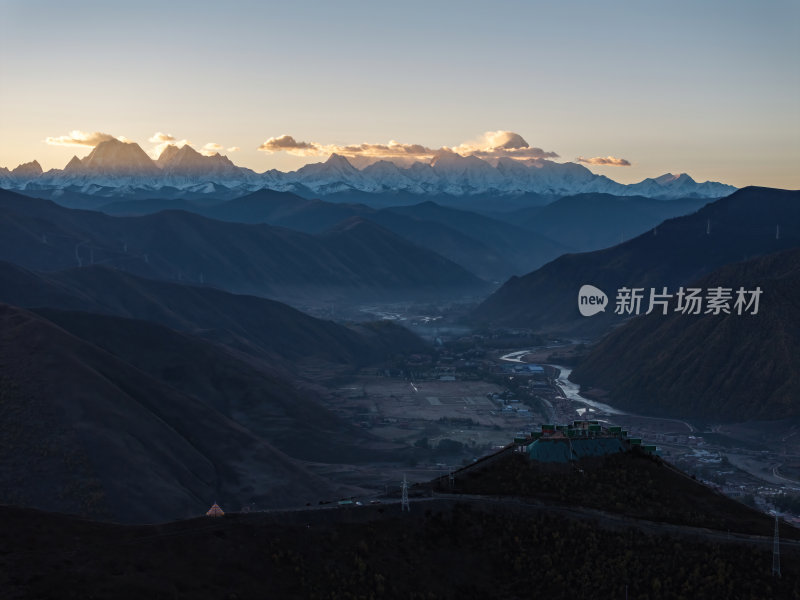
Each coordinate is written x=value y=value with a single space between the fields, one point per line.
x=123 y=167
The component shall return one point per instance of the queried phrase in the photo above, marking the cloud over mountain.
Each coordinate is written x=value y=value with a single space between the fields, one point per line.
x=80 y=138
x=160 y=138
x=491 y=145
x=497 y=144
x=162 y=141
x=611 y=161
x=211 y=148
x=286 y=143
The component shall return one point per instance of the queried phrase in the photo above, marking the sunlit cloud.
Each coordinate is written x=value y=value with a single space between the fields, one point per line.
x=80 y=138
x=391 y=150
x=159 y=138
x=286 y=143
x=162 y=141
x=611 y=161
x=210 y=149
x=490 y=146
x=498 y=144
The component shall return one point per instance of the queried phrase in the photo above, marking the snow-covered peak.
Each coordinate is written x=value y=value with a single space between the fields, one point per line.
x=27 y=170
x=339 y=162
x=113 y=157
x=187 y=166
x=75 y=165
x=674 y=186
x=167 y=154
x=446 y=160
x=664 y=179
x=336 y=169
x=113 y=165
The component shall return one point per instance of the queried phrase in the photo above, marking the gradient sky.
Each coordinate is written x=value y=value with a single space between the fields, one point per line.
x=705 y=87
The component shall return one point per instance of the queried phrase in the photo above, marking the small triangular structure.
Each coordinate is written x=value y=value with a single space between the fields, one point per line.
x=215 y=511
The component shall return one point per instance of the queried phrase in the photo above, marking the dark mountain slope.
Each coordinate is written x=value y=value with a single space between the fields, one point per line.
x=489 y=248
x=358 y=241
x=587 y=222
x=137 y=208
x=284 y=209
x=263 y=328
x=250 y=392
x=316 y=216
x=86 y=432
x=484 y=203
x=471 y=253
x=742 y=226
x=522 y=249
x=177 y=245
x=719 y=368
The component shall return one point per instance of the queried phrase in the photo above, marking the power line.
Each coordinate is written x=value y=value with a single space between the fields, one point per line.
x=776 y=552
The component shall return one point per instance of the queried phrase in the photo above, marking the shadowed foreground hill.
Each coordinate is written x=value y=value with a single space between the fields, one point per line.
x=466 y=548
x=88 y=432
x=720 y=368
x=260 y=327
x=681 y=250
x=634 y=484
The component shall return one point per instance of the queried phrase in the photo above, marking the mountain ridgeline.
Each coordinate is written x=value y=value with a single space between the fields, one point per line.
x=589 y=222
x=362 y=260
x=490 y=248
x=259 y=327
x=749 y=223
x=126 y=167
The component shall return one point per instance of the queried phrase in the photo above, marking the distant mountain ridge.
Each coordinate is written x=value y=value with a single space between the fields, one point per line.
x=257 y=326
x=491 y=249
x=587 y=222
x=676 y=252
x=124 y=165
x=261 y=259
